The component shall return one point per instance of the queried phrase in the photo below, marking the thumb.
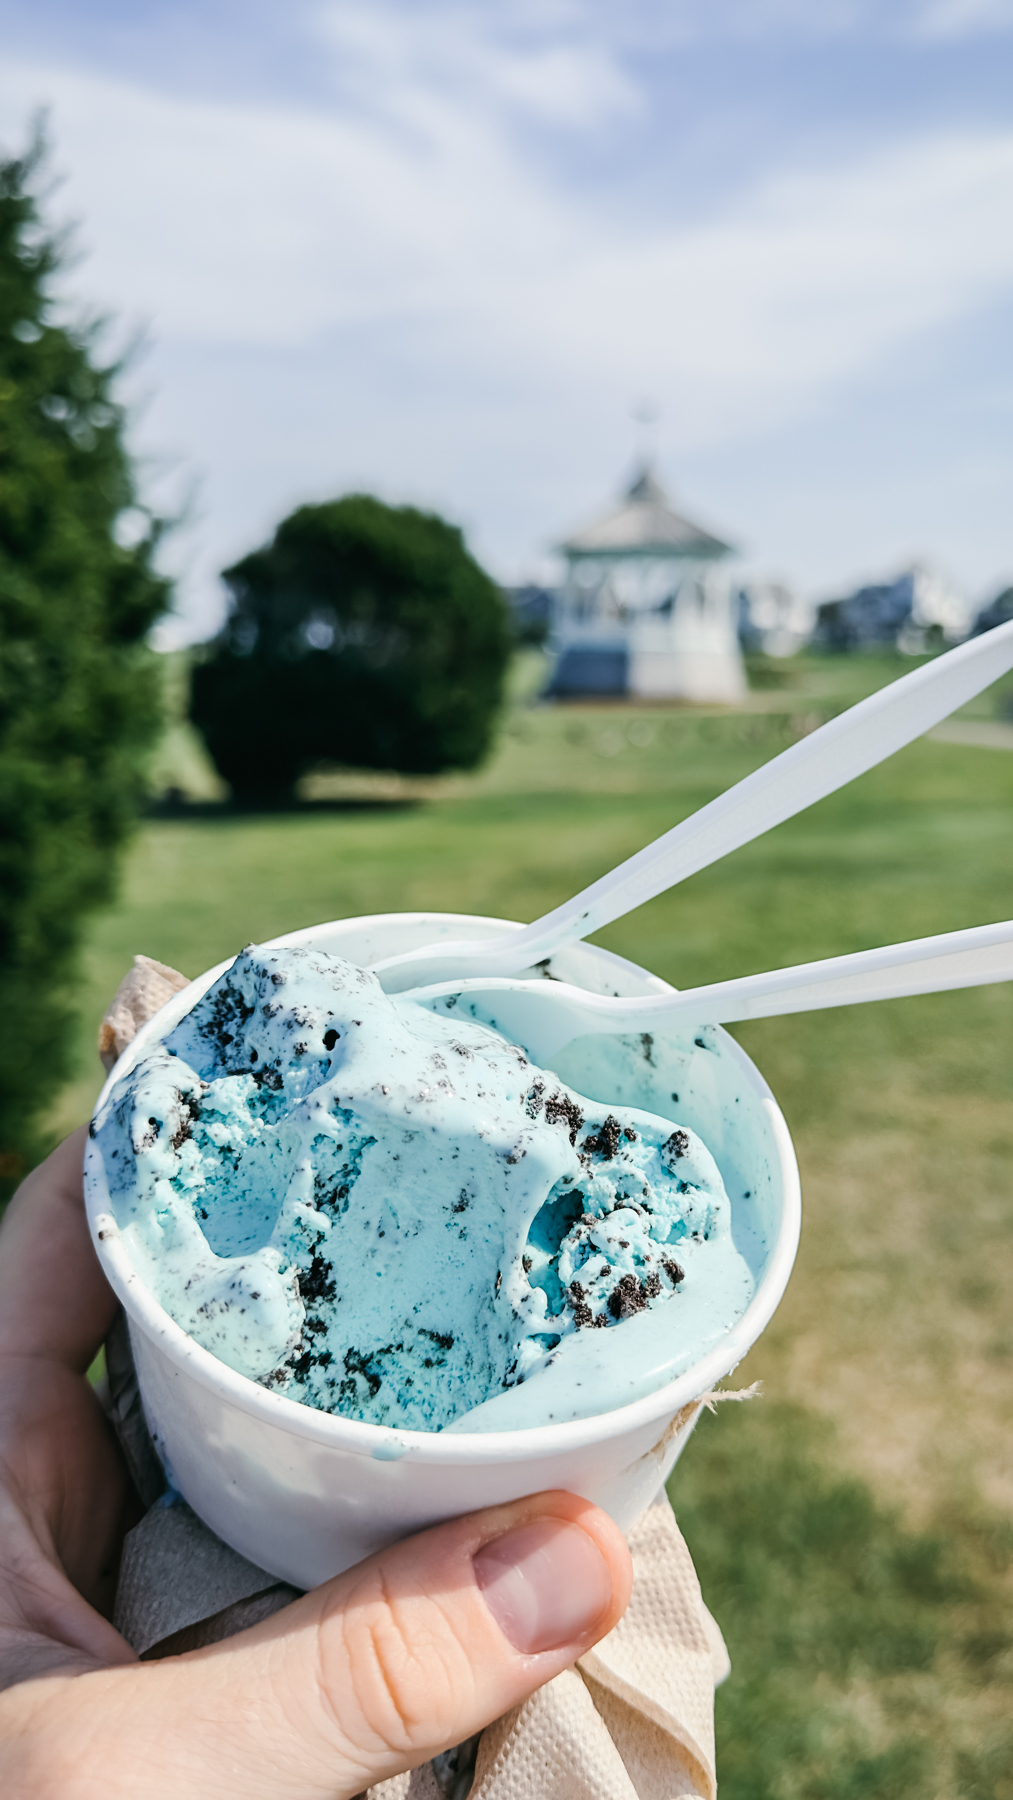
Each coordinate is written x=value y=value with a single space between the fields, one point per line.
x=380 y=1669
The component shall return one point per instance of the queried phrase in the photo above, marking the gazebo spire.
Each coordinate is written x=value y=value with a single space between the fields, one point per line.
x=646 y=485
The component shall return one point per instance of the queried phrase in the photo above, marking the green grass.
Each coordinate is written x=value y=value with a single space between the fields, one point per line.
x=868 y=1659
x=849 y=1527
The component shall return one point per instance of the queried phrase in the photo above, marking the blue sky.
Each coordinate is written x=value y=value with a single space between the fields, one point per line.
x=441 y=251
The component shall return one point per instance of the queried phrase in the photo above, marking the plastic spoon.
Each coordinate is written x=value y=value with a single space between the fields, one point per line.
x=542 y=1015
x=849 y=745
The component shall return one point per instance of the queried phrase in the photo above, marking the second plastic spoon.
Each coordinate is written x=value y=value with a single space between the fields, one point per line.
x=542 y=1016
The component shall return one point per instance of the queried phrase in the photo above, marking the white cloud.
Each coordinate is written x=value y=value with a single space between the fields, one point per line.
x=263 y=226
x=951 y=19
x=392 y=60
x=459 y=314
x=800 y=21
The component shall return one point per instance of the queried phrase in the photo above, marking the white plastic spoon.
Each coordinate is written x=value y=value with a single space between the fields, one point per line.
x=849 y=745
x=542 y=1016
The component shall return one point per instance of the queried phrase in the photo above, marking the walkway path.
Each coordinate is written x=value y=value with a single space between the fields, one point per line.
x=982 y=734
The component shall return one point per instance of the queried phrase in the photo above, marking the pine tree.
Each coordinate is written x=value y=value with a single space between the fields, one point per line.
x=79 y=689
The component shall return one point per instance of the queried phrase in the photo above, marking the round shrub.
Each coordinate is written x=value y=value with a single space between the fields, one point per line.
x=363 y=634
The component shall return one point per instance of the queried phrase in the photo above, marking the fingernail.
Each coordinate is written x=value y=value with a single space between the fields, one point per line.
x=546 y=1585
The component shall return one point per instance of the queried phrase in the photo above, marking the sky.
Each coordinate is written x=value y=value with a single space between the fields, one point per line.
x=443 y=252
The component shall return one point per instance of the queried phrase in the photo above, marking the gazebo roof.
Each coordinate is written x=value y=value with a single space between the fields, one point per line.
x=645 y=524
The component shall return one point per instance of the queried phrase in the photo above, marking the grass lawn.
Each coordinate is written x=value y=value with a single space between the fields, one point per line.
x=854 y=1529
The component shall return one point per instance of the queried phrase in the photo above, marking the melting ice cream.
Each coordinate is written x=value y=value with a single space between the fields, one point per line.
x=392 y=1214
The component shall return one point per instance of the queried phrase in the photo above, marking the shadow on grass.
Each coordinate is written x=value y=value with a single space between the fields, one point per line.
x=172 y=806
x=869 y=1662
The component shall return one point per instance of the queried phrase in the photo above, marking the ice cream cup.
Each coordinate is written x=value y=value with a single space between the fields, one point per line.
x=305 y=1494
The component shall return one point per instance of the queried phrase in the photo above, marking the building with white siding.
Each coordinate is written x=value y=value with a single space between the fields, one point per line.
x=647 y=607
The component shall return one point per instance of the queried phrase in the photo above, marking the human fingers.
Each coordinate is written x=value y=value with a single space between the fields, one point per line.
x=54 y=1298
x=64 y=1494
x=373 y=1673
x=65 y=1503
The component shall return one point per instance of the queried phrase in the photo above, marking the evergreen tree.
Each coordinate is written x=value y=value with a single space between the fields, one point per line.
x=79 y=690
x=364 y=634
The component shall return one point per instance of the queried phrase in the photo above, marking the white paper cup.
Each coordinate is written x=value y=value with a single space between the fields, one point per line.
x=305 y=1494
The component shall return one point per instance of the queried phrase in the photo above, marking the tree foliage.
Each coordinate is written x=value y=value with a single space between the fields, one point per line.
x=78 y=688
x=364 y=634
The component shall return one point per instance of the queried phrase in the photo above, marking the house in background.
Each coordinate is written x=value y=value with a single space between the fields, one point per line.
x=913 y=611
x=998 y=612
x=531 y=607
x=774 y=619
x=646 y=607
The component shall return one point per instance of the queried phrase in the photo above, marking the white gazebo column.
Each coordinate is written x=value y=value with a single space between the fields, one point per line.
x=692 y=654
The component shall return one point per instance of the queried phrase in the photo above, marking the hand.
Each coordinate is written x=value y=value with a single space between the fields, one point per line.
x=376 y=1671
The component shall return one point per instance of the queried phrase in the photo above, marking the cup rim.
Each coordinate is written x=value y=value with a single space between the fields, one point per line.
x=391 y=1443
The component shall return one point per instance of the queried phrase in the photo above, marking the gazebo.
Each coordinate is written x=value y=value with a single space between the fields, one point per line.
x=646 y=608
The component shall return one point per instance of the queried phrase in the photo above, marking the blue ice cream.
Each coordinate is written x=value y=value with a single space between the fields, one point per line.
x=390 y=1213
